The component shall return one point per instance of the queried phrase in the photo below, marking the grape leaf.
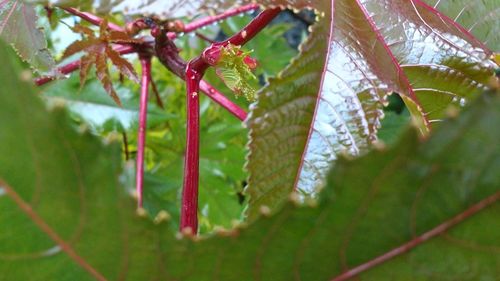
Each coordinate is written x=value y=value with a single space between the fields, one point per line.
x=65 y=218
x=18 y=27
x=60 y=200
x=330 y=99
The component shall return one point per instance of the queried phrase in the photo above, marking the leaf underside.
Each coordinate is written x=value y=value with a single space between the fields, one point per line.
x=68 y=181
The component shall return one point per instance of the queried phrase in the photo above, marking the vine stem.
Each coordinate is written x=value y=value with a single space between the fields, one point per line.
x=189 y=209
x=141 y=139
x=222 y=100
x=194 y=73
x=197 y=24
x=93 y=19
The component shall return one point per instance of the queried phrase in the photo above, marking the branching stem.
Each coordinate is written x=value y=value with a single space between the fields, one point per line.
x=197 y=24
x=189 y=212
x=93 y=19
x=194 y=73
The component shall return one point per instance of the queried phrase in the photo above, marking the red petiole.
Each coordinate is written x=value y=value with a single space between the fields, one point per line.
x=93 y=19
x=194 y=73
x=141 y=138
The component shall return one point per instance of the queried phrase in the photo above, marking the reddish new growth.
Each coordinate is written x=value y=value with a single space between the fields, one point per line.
x=117 y=40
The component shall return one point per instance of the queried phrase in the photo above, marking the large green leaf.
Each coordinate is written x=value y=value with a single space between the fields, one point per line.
x=63 y=216
x=481 y=17
x=329 y=100
x=60 y=201
x=18 y=27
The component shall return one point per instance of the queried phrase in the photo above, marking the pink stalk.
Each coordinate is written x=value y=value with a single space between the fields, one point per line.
x=254 y=27
x=66 y=69
x=141 y=139
x=213 y=19
x=194 y=73
x=210 y=54
x=93 y=19
x=222 y=100
x=189 y=210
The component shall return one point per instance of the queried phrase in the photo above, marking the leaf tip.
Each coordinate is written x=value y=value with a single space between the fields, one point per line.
x=265 y=211
x=452 y=112
x=222 y=232
x=141 y=212
x=113 y=138
x=294 y=198
x=162 y=216
x=379 y=145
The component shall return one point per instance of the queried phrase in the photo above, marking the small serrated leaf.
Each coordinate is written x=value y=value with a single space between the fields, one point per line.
x=79 y=46
x=122 y=64
x=98 y=49
x=86 y=62
x=102 y=73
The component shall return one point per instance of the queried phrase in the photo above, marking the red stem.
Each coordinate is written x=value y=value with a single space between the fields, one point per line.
x=254 y=27
x=93 y=19
x=204 y=38
x=168 y=54
x=243 y=36
x=141 y=139
x=222 y=100
x=159 y=102
x=440 y=229
x=194 y=73
x=213 y=19
x=189 y=210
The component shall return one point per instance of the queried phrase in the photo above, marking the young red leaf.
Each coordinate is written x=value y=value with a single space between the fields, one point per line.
x=102 y=73
x=122 y=64
x=85 y=63
x=99 y=49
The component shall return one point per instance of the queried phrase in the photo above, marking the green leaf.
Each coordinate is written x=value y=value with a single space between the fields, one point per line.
x=18 y=27
x=370 y=206
x=63 y=214
x=330 y=99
